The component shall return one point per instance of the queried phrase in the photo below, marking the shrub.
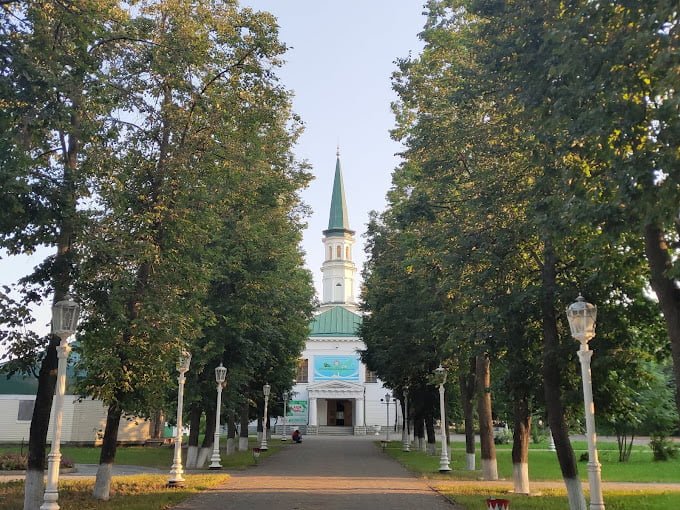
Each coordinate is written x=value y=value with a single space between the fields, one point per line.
x=12 y=462
x=663 y=448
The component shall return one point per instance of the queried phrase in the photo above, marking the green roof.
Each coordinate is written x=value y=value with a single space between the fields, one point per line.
x=18 y=385
x=338 y=221
x=337 y=321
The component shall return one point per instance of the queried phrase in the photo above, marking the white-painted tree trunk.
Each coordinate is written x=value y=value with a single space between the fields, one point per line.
x=431 y=448
x=192 y=456
x=102 y=482
x=34 y=489
x=243 y=444
x=203 y=455
x=577 y=500
x=520 y=478
x=231 y=446
x=489 y=469
x=470 y=461
x=422 y=444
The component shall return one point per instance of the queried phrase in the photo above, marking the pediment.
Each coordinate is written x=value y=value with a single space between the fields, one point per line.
x=331 y=389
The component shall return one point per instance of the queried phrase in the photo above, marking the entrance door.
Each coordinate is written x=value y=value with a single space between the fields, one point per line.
x=339 y=413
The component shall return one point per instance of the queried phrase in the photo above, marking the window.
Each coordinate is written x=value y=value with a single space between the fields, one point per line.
x=330 y=253
x=302 y=371
x=25 y=410
x=347 y=252
x=371 y=376
x=338 y=251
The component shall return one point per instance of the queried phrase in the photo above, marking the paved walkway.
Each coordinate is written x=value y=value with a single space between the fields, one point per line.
x=343 y=473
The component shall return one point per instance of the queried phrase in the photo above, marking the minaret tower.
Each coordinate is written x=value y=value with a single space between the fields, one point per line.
x=338 y=269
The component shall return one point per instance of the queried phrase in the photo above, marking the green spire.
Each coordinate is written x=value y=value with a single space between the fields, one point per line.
x=338 y=220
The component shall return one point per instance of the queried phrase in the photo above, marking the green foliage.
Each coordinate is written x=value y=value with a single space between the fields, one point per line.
x=663 y=448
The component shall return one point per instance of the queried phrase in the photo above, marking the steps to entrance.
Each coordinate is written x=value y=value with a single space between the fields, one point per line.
x=324 y=430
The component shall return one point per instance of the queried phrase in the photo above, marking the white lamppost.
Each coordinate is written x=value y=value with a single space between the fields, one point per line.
x=64 y=323
x=265 y=390
x=582 y=316
x=406 y=440
x=284 y=437
x=387 y=399
x=440 y=377
x=220 y=377
x=176 y=471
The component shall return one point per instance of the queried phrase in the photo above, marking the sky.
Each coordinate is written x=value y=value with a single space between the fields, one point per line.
x=341 y=57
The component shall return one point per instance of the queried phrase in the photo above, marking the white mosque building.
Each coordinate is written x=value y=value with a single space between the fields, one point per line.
x=334 y=392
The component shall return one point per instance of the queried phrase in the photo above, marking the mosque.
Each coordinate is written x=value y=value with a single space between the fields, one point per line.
x=334 y=392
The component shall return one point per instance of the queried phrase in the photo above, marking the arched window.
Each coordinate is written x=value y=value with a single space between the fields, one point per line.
x=347 y=252
x=338 y=251
x=330 y=253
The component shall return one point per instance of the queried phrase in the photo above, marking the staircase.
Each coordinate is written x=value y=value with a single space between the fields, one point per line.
x=335 y=431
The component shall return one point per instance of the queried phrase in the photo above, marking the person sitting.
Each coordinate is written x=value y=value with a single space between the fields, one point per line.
x=297 y=437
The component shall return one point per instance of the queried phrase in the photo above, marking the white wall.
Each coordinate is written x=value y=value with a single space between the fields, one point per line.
x=80 y=421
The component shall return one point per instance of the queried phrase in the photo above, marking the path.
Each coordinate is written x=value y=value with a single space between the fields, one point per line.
x=343 y=473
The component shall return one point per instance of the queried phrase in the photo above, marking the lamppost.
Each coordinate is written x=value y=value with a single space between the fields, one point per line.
x=64 y=323
x=220 y=376
x=440 y=377
x=406 y=441
x=284 y=437
x=582 y=316
x=176 y=471
x=265 y=389
x=387 y=400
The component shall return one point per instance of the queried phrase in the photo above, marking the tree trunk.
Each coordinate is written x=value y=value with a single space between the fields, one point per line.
x=34 y=488
x=243 y=433
x=231 y=433
x=467 y=384
x=520 y=446
x=552 y=363
x=668 y=292
x=488 y=448
x=102 y=484
x=431 y=436
x=419 y=433
x=194 y=430
x=157 y=424
x=208 y=440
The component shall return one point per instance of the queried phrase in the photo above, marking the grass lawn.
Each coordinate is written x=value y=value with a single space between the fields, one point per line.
x=151 y=456
x=543 y=464
x=141 y=492
x=473 y=497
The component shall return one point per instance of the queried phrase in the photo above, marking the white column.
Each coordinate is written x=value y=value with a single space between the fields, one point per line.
x=176 y=471
x=594 y=467
x=359 y=412
x=54 y=457
x=444 y=459
x=215 y=460
x=312 y=412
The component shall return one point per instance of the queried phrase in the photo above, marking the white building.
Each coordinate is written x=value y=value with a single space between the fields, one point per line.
x=334 y=392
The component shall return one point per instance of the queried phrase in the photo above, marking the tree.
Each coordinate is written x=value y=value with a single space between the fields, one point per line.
x=52 y=101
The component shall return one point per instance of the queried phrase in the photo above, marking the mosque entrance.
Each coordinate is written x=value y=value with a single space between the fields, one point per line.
x=339 y=413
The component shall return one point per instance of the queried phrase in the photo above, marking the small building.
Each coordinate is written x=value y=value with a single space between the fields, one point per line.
x=83 y=419
x=334 y=392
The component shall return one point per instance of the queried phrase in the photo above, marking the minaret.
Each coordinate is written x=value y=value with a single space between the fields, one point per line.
x=338 y=269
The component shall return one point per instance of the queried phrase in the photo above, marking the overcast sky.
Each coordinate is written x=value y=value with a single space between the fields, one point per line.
x=341 y=57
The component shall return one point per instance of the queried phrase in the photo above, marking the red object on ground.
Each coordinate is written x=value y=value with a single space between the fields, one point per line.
x=497 y=504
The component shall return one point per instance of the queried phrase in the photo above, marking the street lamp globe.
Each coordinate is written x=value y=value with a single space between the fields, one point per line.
x=184 y=361
x=65 y=317
x=220 y=374
x=582 y=316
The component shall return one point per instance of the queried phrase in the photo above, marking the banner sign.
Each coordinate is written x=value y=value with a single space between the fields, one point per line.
x=296 y=414
x=334 y=368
